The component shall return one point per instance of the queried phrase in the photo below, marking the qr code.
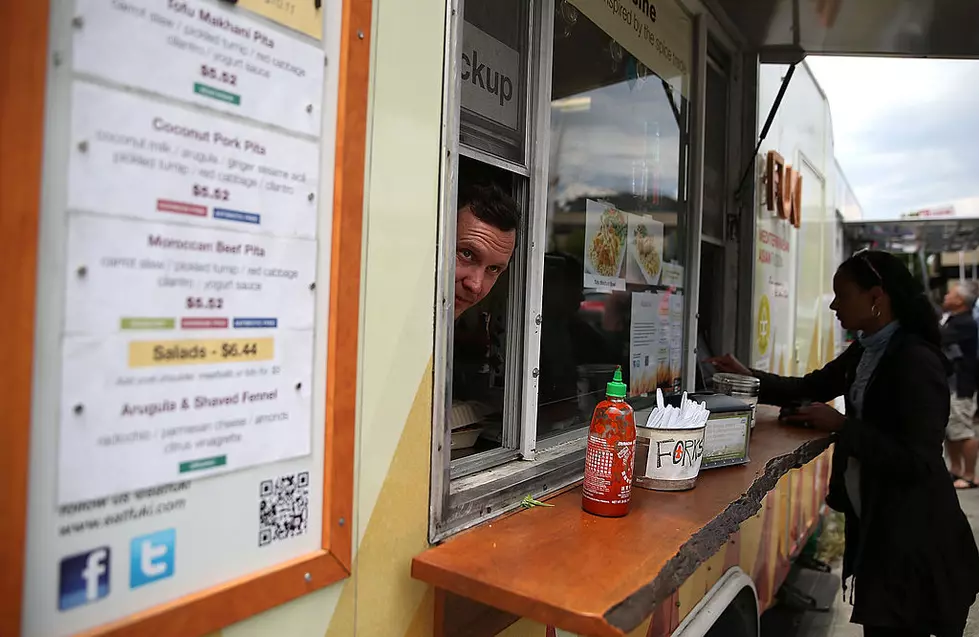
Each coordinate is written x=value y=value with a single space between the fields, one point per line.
x=283 y=508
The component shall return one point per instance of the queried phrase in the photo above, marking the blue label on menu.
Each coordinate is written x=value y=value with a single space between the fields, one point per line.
x=236 y=215
x=256 y=322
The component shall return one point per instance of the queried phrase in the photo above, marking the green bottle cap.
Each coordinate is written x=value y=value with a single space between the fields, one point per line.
x=616 y=388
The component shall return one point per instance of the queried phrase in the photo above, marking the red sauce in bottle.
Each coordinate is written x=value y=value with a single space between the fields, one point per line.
x=611 y=454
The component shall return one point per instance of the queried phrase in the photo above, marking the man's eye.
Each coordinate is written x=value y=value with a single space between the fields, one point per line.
x=495 y=269
x=466 y=254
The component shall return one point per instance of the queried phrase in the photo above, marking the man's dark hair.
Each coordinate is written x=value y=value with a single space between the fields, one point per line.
x=490 y=204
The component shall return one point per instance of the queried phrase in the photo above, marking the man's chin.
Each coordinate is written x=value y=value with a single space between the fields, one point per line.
x=461 y=307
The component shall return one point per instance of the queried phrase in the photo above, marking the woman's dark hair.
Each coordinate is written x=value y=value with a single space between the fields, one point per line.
x=911 y=306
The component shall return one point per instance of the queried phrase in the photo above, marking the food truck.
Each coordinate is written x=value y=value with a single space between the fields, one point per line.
x=237 y=399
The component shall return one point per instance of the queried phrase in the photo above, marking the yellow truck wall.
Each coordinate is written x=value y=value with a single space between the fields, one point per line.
x=396 y=343
x=794 y=330
x=394 y=419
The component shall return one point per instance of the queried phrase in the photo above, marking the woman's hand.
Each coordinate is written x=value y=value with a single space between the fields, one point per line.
x=818 y=416
x=728 y=364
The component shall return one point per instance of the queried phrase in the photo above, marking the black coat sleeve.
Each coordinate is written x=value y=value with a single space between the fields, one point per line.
x=821 y=385
x=952 y=339
x=921 y=394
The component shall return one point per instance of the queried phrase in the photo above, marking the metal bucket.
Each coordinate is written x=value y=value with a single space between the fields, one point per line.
x=745 y=388
x=668 y=459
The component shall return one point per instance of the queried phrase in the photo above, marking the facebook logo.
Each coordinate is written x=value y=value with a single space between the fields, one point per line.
x=84 y=578
x=151 y=557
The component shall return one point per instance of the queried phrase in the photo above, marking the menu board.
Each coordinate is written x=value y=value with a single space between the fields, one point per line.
x=676 y=338
x=200 y=170
x=655 y=342
x=198 y=343
x=643 y=343
x=203 y=53
x=177 y=451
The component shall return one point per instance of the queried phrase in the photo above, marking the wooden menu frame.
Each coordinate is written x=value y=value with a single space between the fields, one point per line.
x=24 y=38
x=24 y=30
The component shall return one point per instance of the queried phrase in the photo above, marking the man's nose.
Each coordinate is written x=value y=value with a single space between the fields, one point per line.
x=473 y=281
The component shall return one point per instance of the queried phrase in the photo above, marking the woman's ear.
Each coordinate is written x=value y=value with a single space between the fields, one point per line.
x=880 y=299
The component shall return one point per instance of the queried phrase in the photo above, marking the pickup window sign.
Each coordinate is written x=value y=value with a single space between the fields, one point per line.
x=490 y=72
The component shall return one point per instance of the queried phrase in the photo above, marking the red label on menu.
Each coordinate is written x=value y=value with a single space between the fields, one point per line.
x=180 y=208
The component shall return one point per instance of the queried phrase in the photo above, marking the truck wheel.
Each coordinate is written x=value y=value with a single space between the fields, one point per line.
x=739 y=619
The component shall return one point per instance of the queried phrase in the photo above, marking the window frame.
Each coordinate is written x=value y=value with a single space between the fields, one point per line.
x=493 y=482
x=491 y=134
x=455 y=147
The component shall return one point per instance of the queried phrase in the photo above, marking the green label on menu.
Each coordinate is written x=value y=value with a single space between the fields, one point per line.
x=147 y=323
x=203 y=463
x=216 y=93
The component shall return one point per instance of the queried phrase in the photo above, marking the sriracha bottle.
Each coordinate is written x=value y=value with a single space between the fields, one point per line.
x=611 y=454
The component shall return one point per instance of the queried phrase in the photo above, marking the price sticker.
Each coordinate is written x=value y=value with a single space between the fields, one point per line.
x=200 y=351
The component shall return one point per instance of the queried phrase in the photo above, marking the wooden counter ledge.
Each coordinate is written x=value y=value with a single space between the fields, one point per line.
x=595 y=576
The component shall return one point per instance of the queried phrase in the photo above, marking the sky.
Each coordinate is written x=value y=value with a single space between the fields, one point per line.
x=906 y=130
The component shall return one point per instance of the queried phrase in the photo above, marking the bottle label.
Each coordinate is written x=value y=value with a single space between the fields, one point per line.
x=608 y=470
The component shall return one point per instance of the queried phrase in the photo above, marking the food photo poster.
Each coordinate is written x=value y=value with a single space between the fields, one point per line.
x=606 y=234
x=644 y=264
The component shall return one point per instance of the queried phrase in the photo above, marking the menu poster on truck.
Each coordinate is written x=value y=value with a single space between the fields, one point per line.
x=175 y=448
x=204 y=171
x=664 y=377
x=198 y=344
x=655 y=342
x=644 y=337
x=676 y=339
x=203 y=52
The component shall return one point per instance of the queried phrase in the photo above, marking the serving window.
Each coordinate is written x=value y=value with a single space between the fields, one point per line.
x=487 y=343
x=615 y=223
x=597 y=276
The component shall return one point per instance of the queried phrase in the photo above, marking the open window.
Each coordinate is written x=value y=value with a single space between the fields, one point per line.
x=593 y=152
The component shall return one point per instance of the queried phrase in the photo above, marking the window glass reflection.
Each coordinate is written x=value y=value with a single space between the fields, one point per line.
x=613 y=270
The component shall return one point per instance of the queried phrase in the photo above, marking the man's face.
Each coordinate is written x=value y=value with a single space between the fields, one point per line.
x=953 y=301
x=482 y=253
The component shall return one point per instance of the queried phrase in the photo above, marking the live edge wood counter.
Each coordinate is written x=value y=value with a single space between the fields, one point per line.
x=595 y=576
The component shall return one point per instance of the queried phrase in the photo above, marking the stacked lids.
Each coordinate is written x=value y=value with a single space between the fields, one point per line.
x=736 y=383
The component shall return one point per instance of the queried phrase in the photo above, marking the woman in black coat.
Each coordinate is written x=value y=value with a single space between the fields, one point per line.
x=910 y=554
